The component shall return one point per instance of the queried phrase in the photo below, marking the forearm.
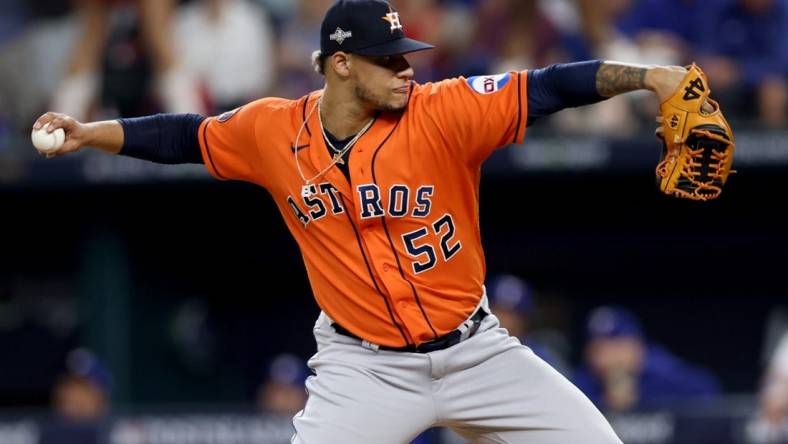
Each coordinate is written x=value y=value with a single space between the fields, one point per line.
x=163 y=138
x=570 y=85
x=614 y=78
x=106 y=136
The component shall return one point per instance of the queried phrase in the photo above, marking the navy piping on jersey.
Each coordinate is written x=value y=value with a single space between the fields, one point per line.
x=519 y=106
x=388 y=235
x=372 y=276
x=294 y=148
x=303 y=115
x=208 y=150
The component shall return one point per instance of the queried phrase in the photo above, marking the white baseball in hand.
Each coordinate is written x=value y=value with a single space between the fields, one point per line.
x=48 y=142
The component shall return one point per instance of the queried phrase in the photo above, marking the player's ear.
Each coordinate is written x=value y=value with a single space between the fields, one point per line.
x=340 y=63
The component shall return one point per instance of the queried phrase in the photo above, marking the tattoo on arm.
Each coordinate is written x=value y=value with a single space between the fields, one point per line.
x=613 y=79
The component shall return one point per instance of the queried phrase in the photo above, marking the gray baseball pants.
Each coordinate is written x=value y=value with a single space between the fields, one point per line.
x=488 y=388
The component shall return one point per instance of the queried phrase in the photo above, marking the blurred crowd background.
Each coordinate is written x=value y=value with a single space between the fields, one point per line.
x=103 y=58
x=178 y=311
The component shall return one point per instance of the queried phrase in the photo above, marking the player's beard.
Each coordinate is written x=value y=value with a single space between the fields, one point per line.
x=365 y=95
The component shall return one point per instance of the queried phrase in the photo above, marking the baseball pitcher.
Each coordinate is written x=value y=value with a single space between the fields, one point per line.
x=377 y=179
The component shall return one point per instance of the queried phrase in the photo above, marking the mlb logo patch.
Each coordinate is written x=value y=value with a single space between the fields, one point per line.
x=489 y=84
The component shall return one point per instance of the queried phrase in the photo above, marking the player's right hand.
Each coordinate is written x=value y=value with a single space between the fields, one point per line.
x=77 y=133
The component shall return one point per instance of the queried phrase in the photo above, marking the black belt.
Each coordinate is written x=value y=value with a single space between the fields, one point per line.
x=452 y=338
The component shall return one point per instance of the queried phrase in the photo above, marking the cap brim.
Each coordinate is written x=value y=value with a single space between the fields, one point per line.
x=394 y=47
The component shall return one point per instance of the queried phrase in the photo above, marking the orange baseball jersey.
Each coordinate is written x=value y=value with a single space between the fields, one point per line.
x=394 y=255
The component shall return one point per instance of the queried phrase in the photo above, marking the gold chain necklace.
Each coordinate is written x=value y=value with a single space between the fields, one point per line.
x=340 y=153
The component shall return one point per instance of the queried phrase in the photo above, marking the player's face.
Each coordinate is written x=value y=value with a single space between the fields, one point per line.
x=383 y=83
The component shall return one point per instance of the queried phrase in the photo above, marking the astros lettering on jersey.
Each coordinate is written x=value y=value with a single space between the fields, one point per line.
x=394 y=255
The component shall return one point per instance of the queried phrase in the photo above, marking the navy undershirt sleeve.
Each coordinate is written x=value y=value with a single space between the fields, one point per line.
x=560 y=86
x=163 y=138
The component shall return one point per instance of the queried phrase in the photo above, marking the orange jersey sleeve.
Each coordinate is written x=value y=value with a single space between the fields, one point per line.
x=476 y=115
x=235 y=144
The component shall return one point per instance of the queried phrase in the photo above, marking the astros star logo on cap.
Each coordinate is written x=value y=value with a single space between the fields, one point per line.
x=365 y=27
x=393 y=18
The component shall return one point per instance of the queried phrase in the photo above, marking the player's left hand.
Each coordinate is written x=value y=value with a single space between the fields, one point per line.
x=697 y=141
x=664 y=80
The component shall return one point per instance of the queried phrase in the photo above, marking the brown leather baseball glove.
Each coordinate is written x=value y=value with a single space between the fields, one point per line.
x=697 y=141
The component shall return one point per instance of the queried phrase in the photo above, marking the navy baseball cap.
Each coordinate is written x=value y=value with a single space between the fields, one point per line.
x=613 y=322
x=365 y=27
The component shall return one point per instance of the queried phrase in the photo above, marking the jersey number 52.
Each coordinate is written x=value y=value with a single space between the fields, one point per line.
x=424 y=255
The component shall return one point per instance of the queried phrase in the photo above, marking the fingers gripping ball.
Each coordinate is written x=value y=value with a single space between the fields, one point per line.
x=697 y=141
x=47 y=142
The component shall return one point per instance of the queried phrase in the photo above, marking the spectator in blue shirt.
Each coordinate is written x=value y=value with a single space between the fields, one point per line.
x=82 y=393
x=623 y=372
x=744 y=51
x=81 y=401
